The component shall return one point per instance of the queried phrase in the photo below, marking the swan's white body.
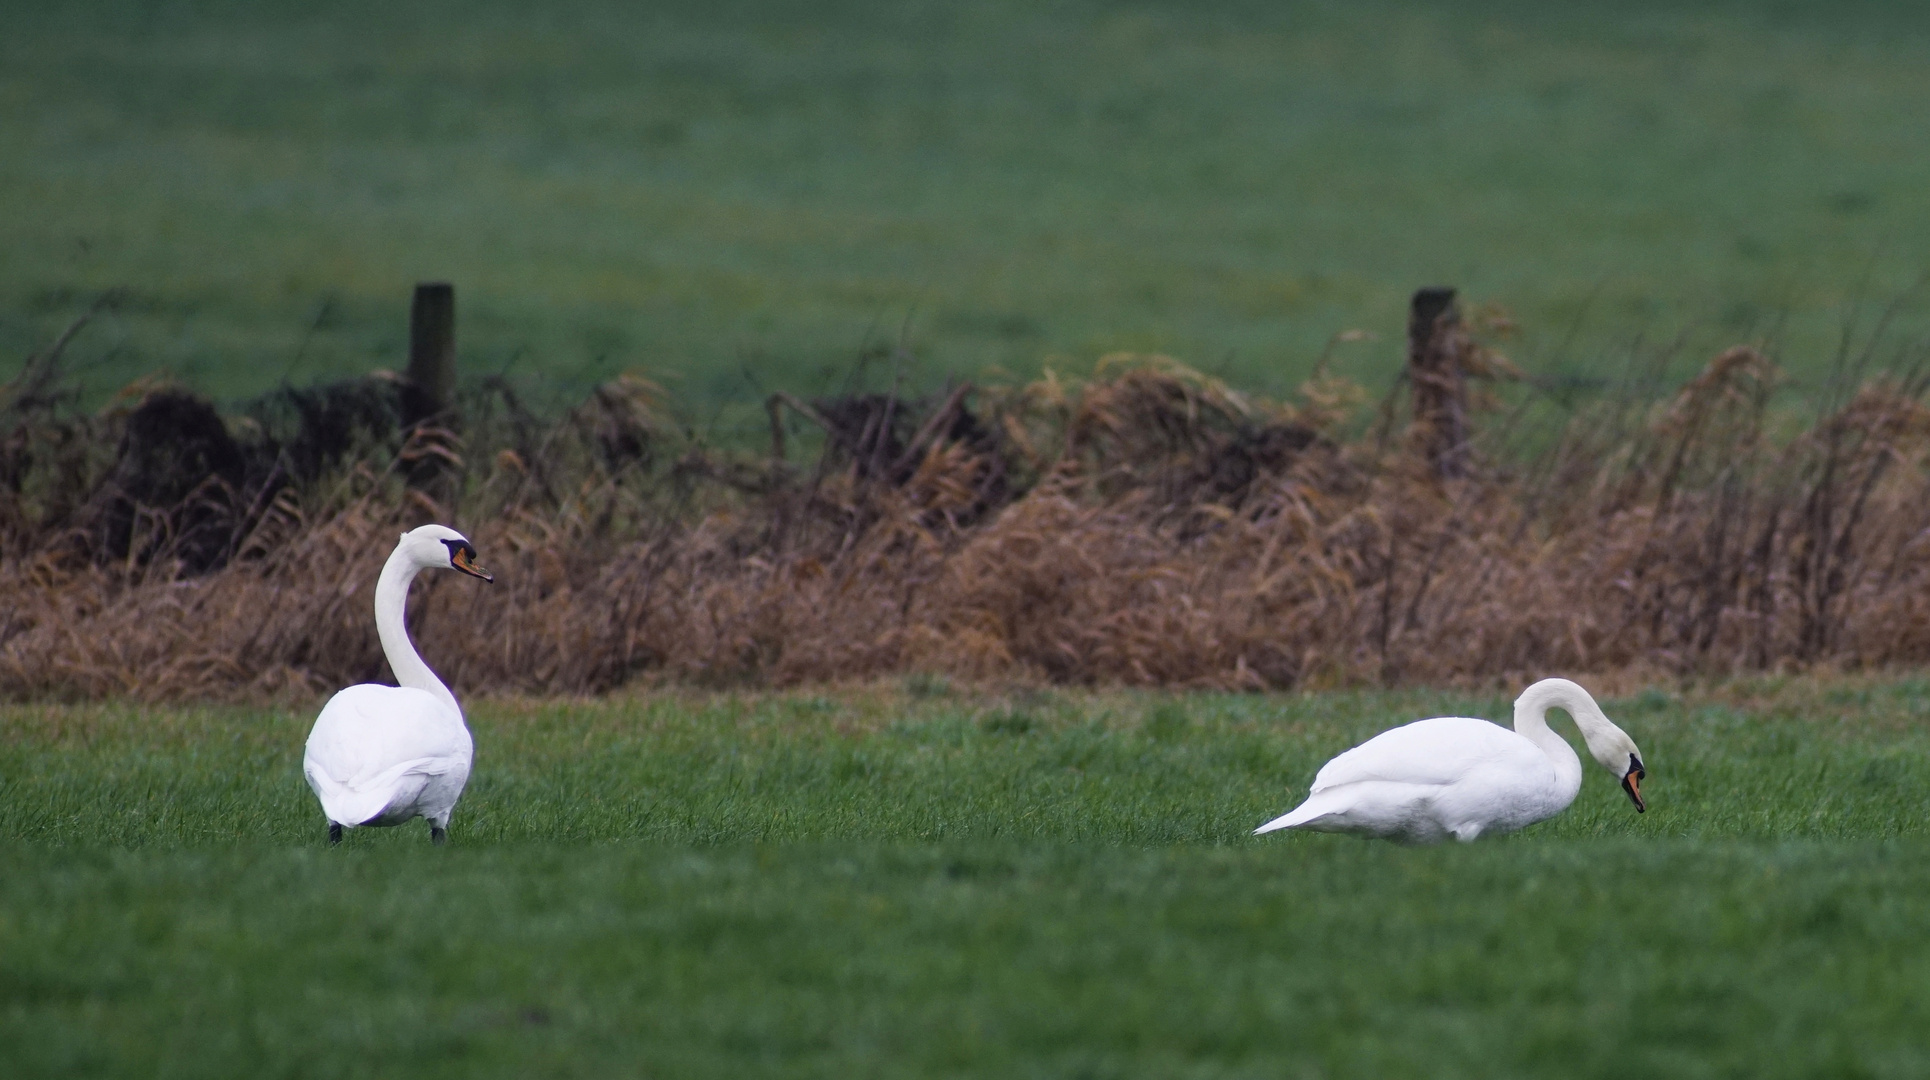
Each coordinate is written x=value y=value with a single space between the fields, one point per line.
x=382 y=755
x=1465 y=778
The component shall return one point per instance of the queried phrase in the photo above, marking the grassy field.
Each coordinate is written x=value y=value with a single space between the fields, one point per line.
x=886 y=883
x=742 y=196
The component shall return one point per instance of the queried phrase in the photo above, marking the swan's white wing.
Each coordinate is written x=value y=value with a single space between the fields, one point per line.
x=1430 y=753
x=1449 y=776
x=375 y=748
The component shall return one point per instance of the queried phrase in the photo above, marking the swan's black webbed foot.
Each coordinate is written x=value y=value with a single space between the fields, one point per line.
x=334 y=833
x=438 y=837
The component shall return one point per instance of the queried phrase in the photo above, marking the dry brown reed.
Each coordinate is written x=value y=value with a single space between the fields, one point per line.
x=1146 y=526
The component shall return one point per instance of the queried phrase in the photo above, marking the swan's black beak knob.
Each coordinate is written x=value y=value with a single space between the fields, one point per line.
x=1632 y=783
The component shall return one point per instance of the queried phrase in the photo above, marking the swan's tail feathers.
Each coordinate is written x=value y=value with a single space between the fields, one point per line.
x=366 y=800
x=1299 y=815
x=1282 y=822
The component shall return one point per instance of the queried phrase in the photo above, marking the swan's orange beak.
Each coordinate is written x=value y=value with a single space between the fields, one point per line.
x=1632 y=783
x=464 y=559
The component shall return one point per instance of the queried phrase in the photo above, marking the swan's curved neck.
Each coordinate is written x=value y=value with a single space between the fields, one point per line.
x=1531 y=721
x=391 y=595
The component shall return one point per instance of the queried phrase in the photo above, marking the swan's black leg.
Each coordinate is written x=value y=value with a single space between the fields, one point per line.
x=438 y=837
x=334 y=833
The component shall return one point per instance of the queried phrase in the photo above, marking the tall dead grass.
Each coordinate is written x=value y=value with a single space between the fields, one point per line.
x=1146 y=526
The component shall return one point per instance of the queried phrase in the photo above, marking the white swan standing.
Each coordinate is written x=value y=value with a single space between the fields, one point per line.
x=381 y=755
x=1465 y=778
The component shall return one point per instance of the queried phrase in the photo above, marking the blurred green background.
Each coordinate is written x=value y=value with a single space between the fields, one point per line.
x=739 y=197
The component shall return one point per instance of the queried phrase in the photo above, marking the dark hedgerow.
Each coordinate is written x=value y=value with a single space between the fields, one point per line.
x=1146 y=526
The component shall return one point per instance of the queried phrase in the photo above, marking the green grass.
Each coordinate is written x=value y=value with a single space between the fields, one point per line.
x=739 y=196
x=882 y=884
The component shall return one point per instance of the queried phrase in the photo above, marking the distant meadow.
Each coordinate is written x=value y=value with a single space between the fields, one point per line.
x=737 y=198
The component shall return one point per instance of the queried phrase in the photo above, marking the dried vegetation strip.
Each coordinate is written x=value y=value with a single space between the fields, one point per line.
x=1145 y=526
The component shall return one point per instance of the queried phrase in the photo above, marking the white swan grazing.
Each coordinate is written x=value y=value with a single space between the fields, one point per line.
x=381 y=755
x=1459 y=777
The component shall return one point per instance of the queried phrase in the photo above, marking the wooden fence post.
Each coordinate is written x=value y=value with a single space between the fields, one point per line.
x=1436 y=371
x=432 y=352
